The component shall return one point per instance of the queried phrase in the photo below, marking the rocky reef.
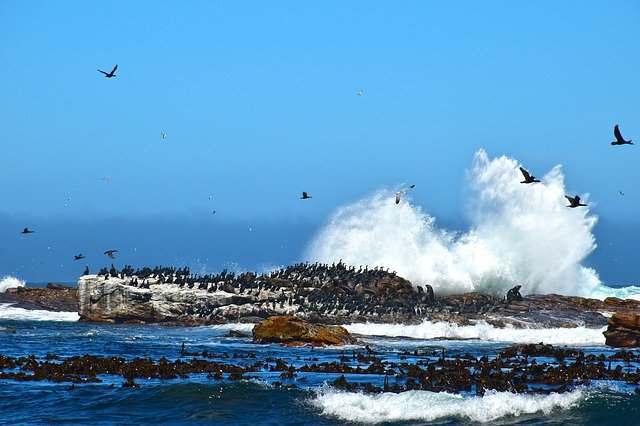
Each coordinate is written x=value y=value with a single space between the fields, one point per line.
x=54 y=297
x=319 y=293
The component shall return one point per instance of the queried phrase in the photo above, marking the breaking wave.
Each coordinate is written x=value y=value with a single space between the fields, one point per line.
x=578 y=336
x=410 y=405
x=520 y=234
x=8 y=312
x=10 y=282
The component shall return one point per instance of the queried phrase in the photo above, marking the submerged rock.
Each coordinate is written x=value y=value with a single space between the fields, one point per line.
x=292 y=331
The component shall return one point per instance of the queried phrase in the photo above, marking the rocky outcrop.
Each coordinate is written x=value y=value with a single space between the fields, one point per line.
x=327 y=294
x=623 y=330
x=54 y=297
x=292 y=331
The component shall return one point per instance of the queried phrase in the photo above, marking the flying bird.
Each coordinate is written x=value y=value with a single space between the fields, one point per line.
x=110 y=253
x=621 y=193
x=527 y=177
x=361 y=92
x=27 y=231
x=163 y=135
x=305 y=195
x=574 y=201
x=402 y=192
x=106 y=178
x=78 y=256
x=619 y=139
x=110 y=74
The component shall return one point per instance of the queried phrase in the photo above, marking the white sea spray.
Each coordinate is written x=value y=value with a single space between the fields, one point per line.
x=520 y=235
x=425 y=406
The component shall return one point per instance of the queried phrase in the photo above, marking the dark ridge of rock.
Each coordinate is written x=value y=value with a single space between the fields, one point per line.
x=623 y=330
x=55 y=297
x=292 y=331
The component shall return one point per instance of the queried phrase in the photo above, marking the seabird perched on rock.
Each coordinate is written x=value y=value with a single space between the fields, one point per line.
x=527 y=177
x=402 y=192
x=27 y=231
x=78 y=256
x=619 y=139
x=305 y=196
x=574 y=201
x=110 y=74
x=110 y=253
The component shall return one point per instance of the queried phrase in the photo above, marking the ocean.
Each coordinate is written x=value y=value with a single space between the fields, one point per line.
x=519 y=234
x=265 y=397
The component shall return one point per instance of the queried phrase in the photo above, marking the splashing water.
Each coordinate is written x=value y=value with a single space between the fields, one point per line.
x=520 y=234
x=10 y=282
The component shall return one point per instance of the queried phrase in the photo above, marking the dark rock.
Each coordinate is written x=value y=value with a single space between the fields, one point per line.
x=293 y=331
x=623 y=330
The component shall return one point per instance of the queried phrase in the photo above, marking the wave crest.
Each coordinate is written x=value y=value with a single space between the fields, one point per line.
x=520 y=234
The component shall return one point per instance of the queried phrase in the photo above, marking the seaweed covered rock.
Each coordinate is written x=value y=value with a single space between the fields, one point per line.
x=292 y=331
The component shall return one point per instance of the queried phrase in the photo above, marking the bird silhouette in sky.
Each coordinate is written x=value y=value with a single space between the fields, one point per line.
x=305 y=195
x=361 y=92
x=574 y=201
x=527 y=177
x=78 y=256
x=109 y=74
x=110 y=253
x=619 y=139
x=27 y=231
x=402 y=192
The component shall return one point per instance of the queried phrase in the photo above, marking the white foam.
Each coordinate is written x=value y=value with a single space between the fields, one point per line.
x=428 y=406
x=482 y=331
x=520 y=234
x=10 y=282
x=20 y=314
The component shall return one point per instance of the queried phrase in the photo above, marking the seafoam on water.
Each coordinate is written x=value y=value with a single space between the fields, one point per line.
x=428 y=330
x=432 y=406
x=19 y=314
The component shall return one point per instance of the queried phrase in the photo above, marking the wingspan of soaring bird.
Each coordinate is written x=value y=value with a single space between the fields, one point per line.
x=574 y=201
x=110 y=253
x=402 y=192
x=109 y=74
x=619 y=139
x=527 y=177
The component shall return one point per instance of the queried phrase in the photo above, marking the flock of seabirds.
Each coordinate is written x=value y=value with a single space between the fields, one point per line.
x=574 y=201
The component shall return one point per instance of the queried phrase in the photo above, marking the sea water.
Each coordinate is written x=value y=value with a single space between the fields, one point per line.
x=257 y=400
x=509 y=219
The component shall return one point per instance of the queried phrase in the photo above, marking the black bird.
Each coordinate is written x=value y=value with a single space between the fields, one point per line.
x=110 y=253
x=574 y=201
x=27 y=231
x=78 y=256
x=619 y=139
x=110 y=74
x=305 y=195
x=527 y=177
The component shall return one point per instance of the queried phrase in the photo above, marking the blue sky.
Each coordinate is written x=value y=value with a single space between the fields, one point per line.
x=259 y=102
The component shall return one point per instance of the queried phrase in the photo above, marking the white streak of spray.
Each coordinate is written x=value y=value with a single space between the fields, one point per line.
x=520 y=234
